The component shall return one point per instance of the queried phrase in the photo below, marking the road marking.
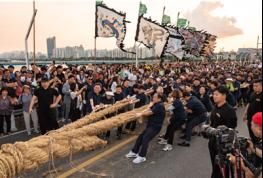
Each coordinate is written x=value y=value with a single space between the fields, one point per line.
x=97 y=157
x=19 y=132
x=13 y=134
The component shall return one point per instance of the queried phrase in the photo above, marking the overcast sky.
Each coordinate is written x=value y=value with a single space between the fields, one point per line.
x=236 y=22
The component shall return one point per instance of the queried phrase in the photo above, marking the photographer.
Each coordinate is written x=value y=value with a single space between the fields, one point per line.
x=222 y=115
x=253 y=168
x=256 y=148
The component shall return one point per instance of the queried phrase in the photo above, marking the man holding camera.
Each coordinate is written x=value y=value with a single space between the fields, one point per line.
x=255 y=149
x=222 y=115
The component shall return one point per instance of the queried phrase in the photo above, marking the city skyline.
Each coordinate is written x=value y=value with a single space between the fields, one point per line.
x=76 y=24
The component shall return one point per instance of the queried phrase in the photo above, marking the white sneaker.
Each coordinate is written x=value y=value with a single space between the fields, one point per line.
x=131 y=155
x=139 y=160
x=168 y=148
x=162 y=142
x=37 y=131
x=29 y=133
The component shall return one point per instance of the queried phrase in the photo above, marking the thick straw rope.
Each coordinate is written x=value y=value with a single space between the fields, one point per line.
x=95 y=116
x=22 y=156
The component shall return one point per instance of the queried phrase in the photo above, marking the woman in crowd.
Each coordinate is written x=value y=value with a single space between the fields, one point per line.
x=204 y=98
x=25 y=100
x=76 y=103
x=6 y=109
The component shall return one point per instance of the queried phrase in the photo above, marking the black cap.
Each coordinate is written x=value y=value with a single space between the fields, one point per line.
x=186 y=94
x=4 y=89
x=43 y=68
x=59 y=67
x=11 y=66
x=29 y=72
x=223 y=90
x=44 y=79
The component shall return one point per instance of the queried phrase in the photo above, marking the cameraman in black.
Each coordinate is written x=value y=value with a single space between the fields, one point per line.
x=222 y=115
x=256 y=148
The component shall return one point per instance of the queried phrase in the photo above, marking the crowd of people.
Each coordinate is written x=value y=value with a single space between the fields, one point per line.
x=201 y=92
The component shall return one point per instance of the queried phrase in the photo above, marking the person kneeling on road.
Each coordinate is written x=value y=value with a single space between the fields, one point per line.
x=156 y=115
x=196 y=114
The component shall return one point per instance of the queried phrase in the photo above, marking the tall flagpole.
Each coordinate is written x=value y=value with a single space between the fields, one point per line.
x=34 y=35
x=95 y=49
x=163 y=14
x=27 y=35
x=178 y=16
x=95 y=36
x=135 y=45
x=162 y=59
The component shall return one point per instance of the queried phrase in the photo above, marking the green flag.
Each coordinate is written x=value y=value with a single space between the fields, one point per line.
x=166 y=19
x=98 y=2
x=182 y=23
x=143 y=9
x=192 y=29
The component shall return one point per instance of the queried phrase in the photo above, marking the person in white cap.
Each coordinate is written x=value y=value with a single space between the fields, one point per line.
x=108 y=100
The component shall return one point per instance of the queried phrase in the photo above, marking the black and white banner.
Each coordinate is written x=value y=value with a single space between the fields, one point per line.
x=152 y=35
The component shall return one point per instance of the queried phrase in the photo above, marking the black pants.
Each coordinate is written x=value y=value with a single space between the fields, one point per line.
x=119 y=130
x=74 y=114
x=172 y=127
x=47 y=120
x=131 y=125
x=195 y=121
x=7 y=119
x=216 y=173
x=142 y=143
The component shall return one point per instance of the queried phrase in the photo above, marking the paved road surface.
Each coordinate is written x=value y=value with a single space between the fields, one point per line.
x=190 y=162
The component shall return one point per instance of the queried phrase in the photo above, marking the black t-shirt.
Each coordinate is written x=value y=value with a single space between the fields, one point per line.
x=11 y=91
x=119 y=97
x=164 y=98
x=61 y=77
x=179 y=113
x=45 y=98
x=142 y=97
x=156 y=120
x=207 y=102
x=255 y=105
x=224 y=115
x=108 y=101
x=196 y=106
x=127 y=91
x=97 y=99
x=89 y=89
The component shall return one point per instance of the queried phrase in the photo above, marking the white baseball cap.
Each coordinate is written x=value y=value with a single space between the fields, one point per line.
x=109 y=93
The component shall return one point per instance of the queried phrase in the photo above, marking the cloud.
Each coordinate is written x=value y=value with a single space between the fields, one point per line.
x=202 y=18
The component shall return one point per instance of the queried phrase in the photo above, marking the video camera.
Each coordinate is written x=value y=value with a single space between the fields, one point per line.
x=227 y=142
x=223 y=136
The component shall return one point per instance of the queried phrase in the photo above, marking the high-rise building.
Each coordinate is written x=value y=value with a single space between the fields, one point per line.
x=51 y=46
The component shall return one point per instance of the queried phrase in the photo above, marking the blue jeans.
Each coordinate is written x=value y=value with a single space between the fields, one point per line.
x=195 y=121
